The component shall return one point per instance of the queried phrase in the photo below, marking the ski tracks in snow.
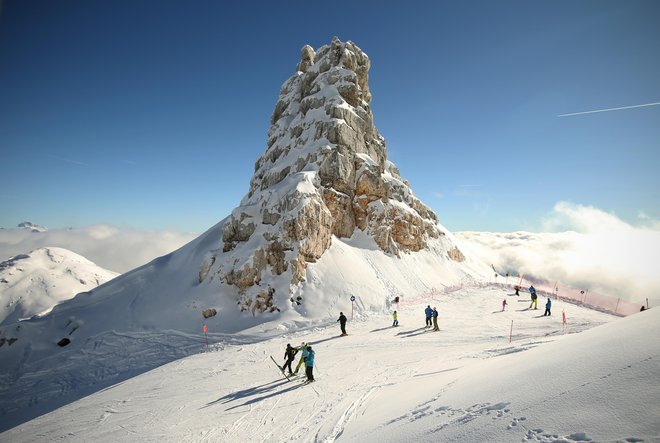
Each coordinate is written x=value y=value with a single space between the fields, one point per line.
x=347 y=415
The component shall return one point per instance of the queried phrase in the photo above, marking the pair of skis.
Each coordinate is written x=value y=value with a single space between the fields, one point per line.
x=288 y=377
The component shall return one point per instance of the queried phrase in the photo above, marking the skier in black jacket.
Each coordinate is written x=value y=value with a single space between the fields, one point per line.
x=342 y=323
x=289 y=355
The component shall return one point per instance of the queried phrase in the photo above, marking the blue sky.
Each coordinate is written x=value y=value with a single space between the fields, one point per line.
x=151 y=114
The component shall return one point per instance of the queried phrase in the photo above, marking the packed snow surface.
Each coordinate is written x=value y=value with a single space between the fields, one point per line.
x=380 y=383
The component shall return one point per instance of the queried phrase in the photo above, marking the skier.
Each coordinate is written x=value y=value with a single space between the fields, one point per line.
x=532 y=291
x=289 y=355
x=517 y=288
x=303 y=356
x=310 y=364
x=548 y=304
x=342 y=323
x=396 y=319
x=429 y=313
x=503 y=304
x=435 y=319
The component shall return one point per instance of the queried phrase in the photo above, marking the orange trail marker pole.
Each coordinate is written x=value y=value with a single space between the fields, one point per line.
x=206 y=337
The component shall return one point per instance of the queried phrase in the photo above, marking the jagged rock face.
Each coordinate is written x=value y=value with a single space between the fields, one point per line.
x=325 y=172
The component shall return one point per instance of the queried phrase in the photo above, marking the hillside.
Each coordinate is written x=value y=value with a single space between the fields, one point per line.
x=383 y=384
x=33 y=283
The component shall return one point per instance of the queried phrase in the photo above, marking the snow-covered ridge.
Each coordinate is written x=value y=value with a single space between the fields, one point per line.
x=33 y=283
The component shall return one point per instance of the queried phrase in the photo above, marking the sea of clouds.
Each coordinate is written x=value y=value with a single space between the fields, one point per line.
x=117 y=249
x=583 y=247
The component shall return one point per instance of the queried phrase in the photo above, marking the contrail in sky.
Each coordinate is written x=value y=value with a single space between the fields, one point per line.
x=610 y=109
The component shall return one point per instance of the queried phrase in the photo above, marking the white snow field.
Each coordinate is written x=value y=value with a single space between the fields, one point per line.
x=463 y=383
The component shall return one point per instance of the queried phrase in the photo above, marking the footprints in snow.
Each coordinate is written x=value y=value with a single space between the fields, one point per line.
x=461 y=416
x=457 y=416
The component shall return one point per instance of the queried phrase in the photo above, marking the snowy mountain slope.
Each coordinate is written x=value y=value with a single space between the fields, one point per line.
x=384 y=384
x=327 y=216
x=153 y=315
x=33 y=283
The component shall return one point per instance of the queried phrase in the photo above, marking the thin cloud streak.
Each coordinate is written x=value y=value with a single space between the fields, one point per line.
x=67 y=160
x=609 y=109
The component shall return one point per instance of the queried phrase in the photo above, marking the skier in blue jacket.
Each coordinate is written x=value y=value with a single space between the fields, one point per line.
x=309 y=361
x=548 y=304
x=303 y=356
x=429 y=313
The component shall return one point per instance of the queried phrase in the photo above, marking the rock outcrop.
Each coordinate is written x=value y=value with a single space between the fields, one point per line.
x=325 y=173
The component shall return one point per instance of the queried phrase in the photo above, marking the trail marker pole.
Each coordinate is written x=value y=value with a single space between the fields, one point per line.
x=617 y=304
x=647 y=303
x=206 y=338
x=563 y=320
x=511 y=333
x=352 y=305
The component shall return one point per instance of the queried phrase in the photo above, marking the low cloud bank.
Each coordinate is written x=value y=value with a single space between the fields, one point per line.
x=584 y=247
x=112 y=248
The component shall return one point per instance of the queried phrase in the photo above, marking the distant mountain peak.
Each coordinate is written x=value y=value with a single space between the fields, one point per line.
x=35 y=282
x=325 y=173
x=31 y=227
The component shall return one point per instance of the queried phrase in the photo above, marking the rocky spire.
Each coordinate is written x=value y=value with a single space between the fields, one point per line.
x=325 y=172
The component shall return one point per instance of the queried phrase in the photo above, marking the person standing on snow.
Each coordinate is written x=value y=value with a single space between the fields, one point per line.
x=289 y=355
x=532 y=291
x=303 y=356
x=503 y=304
x=396 y=319
x=435 y=319
x=429 y=313
x=517 y=288
x=342 y=323
x=310 y=364
x=548 y=304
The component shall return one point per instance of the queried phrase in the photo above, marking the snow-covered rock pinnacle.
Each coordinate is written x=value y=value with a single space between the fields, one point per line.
x=325 y=173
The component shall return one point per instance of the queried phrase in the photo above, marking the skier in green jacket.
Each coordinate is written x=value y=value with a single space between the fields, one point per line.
x=303 y=356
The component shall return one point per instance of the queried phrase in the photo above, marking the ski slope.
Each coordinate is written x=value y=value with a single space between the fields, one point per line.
x=595 y=379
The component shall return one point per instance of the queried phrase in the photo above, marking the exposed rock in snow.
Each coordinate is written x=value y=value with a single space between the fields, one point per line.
x=325 y=173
